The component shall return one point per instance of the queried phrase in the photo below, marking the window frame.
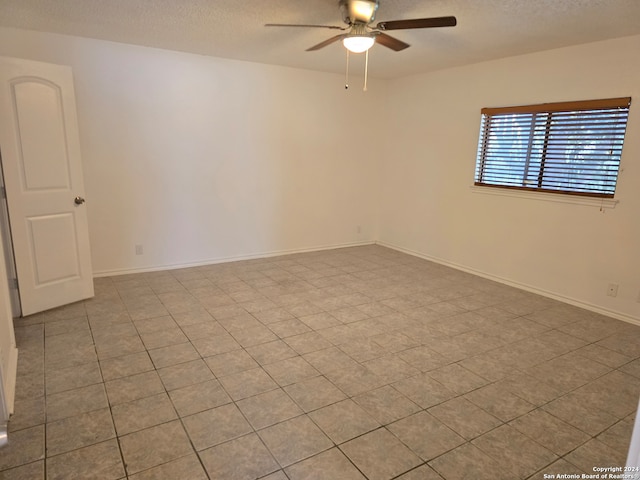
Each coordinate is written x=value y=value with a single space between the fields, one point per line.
x=548 y=109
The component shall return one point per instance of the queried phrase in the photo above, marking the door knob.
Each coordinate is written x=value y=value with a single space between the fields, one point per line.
x=78 y=200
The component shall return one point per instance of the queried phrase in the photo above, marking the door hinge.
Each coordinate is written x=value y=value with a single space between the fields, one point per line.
x=3 y=192
x=14 y=283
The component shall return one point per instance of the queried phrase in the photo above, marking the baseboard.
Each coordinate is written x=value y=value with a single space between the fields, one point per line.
x=215 y=261
x=545 y=293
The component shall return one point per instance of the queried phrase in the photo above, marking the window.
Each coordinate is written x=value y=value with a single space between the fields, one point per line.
x=571 y=147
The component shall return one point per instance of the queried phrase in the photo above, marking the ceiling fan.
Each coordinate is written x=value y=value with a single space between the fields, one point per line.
x=361 y=34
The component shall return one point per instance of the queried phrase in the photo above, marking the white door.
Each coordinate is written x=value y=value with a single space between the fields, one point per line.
x=40 y=151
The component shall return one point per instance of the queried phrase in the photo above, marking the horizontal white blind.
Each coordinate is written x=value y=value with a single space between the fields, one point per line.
x=575 y=151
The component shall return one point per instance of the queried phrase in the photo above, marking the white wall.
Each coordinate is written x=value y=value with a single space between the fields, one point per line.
x=570 y=251
x=201 y=159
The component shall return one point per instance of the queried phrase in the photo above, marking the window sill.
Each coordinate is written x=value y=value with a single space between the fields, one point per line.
x=548 y=197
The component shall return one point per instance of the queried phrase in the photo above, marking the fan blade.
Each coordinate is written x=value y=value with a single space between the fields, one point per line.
x=390 y=42
x=325 y=43
x=305 y=26
x=418 y=23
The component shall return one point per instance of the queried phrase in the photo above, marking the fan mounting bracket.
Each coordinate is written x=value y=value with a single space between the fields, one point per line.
x=358 y=11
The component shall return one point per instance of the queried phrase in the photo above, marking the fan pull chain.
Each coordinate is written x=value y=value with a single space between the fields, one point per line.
x=346 y=80
x=366 y=70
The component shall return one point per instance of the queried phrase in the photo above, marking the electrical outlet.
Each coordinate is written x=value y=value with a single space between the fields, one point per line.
x=139 y=250
x=638 y=298
x=612 y=290
x=358 y=229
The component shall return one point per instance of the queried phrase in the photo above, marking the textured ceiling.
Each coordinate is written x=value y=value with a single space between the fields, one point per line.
x=487 y=29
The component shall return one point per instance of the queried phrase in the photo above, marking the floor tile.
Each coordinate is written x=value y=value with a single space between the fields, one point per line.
x=185 y=374
x=380 y=455
x=209 y=346
x=464 y=417
x=188 y=467
x=79 y=431
x=489 y=366
x=343 y=421
x=559 y=467
x=221 y=461
x=318 y=321
x=627 y=390
x=424 y=390
x=294 y=440
x=514 y=451
x=248 y=383
x=391 y=368
x=355 y=379
x=72 y=377
x=423 y=358
x=268 y=408
x=29 y=471
x=329 y=464
x=457 y=378
x=154 y=446
x=118 y=346
x=248 y=337
x=547 y=430
x=589 y=420
x=565 y=374
x=173 y=354
x=203 y=330
x=499 y=402
x=271 y=352
x=314 y=393
x=273 y=315
x=125 y=366
x=291 y=370
x=467 y=462
x=425 y=435
x=199 y=397
x=423 y=472
x=155 y=324
x=142 y=413
x=413 y=369
x=28 y=412
x=127 y=389
x=29 y=385
x=363 y=349
x=26 y=446
x=386 y=404
x=102 y=461
x=74 y=402
x=288 y=328
x=211 y=427
x=594 y=453
x=534 y=391
x=622 y=343
x=192 y=317
x=308 y=342
x=618 y=436
x=163 y=338
x=229 y=363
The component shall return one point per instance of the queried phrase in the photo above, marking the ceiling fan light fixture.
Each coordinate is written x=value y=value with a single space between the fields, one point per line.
x=358 y=43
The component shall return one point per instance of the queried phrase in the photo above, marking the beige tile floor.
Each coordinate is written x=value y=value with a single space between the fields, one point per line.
x=359 y=363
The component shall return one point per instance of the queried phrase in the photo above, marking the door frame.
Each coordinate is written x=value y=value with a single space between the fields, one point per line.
x=7 y=247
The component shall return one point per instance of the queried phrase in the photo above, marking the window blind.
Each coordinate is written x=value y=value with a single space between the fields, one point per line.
x=570 y=147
